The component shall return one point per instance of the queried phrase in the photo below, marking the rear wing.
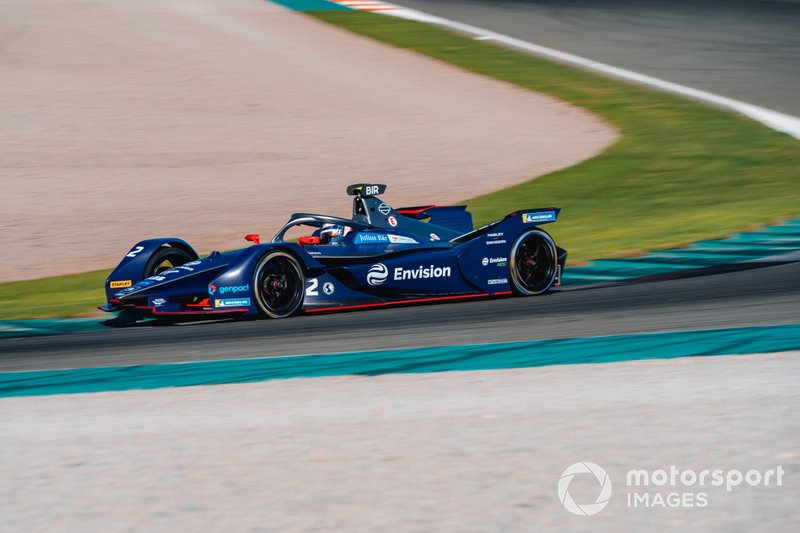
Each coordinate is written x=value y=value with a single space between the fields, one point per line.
x=513 y=221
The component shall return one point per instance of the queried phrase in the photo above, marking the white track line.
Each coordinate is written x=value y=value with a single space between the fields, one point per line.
x=774 y=119
x=366 y=5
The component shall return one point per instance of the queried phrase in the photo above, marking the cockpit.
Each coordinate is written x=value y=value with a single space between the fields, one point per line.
x=375 y=224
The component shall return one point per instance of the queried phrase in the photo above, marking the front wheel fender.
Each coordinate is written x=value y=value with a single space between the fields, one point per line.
x=132 y=267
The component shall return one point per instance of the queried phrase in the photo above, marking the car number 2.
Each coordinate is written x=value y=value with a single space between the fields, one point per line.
x=311 y=290
x=136 y=250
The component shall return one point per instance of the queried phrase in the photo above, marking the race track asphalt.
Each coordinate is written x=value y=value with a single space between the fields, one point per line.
x=742 y=49
x=767 y=295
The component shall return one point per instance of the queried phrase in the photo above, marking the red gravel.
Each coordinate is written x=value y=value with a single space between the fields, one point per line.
x=211 y=119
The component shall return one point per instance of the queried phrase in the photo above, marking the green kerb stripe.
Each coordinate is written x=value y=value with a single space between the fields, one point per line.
x=414 y=360
x=767 y=242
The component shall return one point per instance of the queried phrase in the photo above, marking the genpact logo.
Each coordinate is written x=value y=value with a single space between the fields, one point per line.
x=377 y=274
x=234 y=288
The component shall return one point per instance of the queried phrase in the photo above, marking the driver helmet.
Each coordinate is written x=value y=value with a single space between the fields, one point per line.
x=333 y=233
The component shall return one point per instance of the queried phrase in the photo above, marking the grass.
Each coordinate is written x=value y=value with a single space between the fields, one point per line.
x=72 y=295
x=680 y=172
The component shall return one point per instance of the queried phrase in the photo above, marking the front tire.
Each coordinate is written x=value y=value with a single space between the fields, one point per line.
x=164 y=259
x=279 y=285
x=533 y=263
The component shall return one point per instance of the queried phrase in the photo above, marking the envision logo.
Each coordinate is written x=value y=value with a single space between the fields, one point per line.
x=499 y=261
x=421 y=272
x=377 y=274
x=589 y=508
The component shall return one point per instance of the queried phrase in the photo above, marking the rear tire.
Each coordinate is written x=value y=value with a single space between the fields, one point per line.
x=533 y=263
x=279 y=285
x=165 y=259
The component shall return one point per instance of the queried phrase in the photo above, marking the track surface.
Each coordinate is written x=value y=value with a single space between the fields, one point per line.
x=763 y=296
x=743 y=49
x=452 y=452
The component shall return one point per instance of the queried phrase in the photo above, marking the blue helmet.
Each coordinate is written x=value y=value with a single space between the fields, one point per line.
x=332 y=233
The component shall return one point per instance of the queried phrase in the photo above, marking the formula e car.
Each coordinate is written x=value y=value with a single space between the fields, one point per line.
x=381 y=256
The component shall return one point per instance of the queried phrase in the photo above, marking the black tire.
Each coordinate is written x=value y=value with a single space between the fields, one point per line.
x=533 y=263
x=165 y=259
x=279 y=285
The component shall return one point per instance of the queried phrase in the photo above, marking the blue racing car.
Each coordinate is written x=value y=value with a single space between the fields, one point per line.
x=381 y=256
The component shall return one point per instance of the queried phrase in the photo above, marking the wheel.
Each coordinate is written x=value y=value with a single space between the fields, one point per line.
x=533 y=263
x=165 y=259
x=279 y=285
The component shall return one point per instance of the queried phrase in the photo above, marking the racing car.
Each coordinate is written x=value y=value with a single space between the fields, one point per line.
x=381 y=256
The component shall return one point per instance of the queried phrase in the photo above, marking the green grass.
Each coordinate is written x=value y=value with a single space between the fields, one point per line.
x=73 y=295
x=680 y=172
